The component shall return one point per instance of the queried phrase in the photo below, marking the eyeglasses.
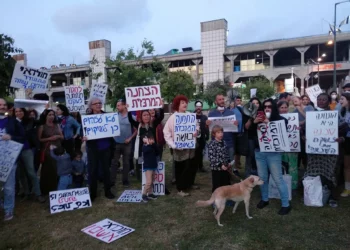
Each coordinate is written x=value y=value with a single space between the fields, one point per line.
x=267 y=106
x=97 y=103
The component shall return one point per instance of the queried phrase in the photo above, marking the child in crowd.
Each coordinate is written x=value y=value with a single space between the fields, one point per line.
x=150 y=163
x=219 y=159
x=64 y=166
x=79 y=169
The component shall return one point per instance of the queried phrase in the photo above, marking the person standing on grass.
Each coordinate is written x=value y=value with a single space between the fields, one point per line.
x=238 y=111
x=64 y=167
x=184 y=159
x=79 y=169
x=150 y=163
x=10 y=129
x=201 y=141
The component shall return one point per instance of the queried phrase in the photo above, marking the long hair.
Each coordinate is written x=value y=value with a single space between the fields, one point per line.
x=345 y=109
x=275 y=116
x=25 y=115
x=65 y=111
x=44 y=115
x=257 y=99
x=150 y=118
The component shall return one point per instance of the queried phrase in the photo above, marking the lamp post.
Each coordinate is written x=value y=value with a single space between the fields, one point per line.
x=335 y=45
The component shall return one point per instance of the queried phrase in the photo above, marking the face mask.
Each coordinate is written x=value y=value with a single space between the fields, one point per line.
x=319 y=109
x=268 y=115
x=334 y=97
x=221 y=108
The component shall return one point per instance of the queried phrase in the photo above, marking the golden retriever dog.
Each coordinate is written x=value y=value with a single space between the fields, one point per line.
x=237 y=192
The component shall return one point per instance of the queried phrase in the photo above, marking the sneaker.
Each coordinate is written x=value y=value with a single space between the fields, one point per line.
x=284 y=210
x=41 y=199
x=333 y=203
x=262 y=204
x=345 y=193
x=109 y=195
x=132 y=173
x=152 y=197
x=183 y=194
x=145 y=198
x=8 y=216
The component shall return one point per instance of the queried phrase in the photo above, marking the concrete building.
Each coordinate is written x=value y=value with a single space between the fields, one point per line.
x=311 y=59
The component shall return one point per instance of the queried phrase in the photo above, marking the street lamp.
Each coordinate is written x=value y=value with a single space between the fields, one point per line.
x=330 y=42
x=335 y=45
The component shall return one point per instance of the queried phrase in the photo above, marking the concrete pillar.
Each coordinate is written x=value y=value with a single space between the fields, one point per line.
x=68 y=78
x=196 y=62
x=271 y=53
x=302 y=51
x=232 y=59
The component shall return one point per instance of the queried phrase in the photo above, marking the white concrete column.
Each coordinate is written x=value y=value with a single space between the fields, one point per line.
x=271 y=53
x=302 y=51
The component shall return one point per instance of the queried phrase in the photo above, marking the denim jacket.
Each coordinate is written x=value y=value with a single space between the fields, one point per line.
x=68 y=128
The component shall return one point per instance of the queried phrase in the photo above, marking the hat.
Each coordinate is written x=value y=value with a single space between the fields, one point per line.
x=198 y=104
x=347 y=85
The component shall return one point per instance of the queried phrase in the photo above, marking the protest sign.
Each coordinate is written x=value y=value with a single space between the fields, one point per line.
x=253 y=93
x=25 y=77
x=99 y=90
x=100 y=125
x=143 y=97
x=293 y=131
x=158 y=179
x=9 y=151
x=226 y=122
x=273 y=137
x=107 y=230
x=131 y=196
x=75 y=101
x=321 y=132
x=39 y=106
x=313 y=92
x=184 y=129
x=70 y=199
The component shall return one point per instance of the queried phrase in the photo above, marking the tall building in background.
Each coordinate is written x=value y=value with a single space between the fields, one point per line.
x=100 y=50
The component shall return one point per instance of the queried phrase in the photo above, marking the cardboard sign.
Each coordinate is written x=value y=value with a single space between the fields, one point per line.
x=25 y=77
x=321 y=132
x=253 y=93
x=131 y=196
x=313 y=92
x=184 y=129
x=273 y=137
x=100 y=125
x=75 y=101
x=107 y=230
x=293 y=131
x=225 y=122
x=143 y=97
x=99 y=90
x=39 y=106
x=9 y=154
x=70 y=199
x=158 y=180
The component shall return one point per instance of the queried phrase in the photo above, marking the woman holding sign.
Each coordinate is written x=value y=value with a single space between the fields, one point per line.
x=271 y=162
x=185 y=170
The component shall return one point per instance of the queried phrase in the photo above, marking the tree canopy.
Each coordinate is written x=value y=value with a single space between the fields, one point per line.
x=263 y=86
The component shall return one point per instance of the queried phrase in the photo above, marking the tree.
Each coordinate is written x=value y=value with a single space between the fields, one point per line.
x=176 y=83
x=213 y=89
x=128 y=69
x=263 y=86
x=7 y=64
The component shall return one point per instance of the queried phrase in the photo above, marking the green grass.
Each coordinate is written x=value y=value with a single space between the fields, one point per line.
x=172 y=222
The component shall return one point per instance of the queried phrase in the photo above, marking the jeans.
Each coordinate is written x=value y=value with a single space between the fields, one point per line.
x=121 y=149
x=250 y=162
x=26 y=164
x=271 y=163
x=64 y=182
x=231 y=153
x=9 y=191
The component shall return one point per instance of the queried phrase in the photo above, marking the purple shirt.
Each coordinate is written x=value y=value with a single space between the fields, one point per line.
x=103 y=143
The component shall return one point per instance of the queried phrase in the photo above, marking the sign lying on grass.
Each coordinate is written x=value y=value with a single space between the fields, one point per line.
x=75 y=101
x=184 y=129
x=9 y=153
x=273 y=137
x=100 y=125
x=322 y=132
x=99 y=90
x=293 y=131
x=70 y=199
x=107 y=230
x=143 y=97
x=158 y=179
x=25 y=77
x=131 y=196
x=225 y=122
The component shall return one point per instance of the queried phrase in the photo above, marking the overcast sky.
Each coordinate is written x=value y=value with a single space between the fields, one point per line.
x=54 y=32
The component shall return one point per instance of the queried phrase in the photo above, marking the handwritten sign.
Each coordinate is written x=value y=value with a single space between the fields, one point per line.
x=143 y=97
x=99 y=90
x=225 y=122
x=100 y=125
x=39 y=106
x=273 y=137
x=9 y=153
x=313 y=92
x=321 y=132
x=184 y=129
x=75 y=101
x=70 y=199
x=29 y=78
x=107 y=230
x=293 y=131
x=131 y=196
x=158 y=179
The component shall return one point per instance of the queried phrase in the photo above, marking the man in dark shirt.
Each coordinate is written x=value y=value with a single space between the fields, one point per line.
x=201 y=119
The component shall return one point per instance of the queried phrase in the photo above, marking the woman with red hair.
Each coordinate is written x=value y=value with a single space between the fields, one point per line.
x=185 y=168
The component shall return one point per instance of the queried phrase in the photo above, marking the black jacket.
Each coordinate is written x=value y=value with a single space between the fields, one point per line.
x=15 y=130
x=203 y=127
